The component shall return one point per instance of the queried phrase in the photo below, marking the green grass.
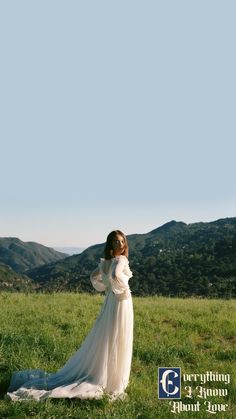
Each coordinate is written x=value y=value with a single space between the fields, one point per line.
x=42 y=331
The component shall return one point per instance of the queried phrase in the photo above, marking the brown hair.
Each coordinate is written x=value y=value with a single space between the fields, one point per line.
x=109 y=251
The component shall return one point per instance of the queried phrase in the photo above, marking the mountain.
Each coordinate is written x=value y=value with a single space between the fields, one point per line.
x=176 y=259
x=22 y=256
x=170 y=227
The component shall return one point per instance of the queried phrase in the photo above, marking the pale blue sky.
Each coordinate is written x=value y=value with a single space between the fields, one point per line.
x=115 y=115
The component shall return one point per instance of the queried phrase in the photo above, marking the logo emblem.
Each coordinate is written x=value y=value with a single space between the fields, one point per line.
x=169 y=383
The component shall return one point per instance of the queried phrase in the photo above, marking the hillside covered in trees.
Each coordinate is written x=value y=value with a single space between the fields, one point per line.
x=176 y=259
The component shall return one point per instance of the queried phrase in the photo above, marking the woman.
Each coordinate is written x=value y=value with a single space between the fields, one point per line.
x=102 y=363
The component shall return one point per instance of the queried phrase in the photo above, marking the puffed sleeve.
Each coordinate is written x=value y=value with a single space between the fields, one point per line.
x=96 y=279
x=120 y=276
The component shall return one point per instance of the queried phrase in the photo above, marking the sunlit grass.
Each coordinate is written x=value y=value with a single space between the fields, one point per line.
x=42 y=331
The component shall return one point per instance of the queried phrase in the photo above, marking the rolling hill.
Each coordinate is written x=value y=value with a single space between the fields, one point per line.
x=21 y=256
x=13 y=281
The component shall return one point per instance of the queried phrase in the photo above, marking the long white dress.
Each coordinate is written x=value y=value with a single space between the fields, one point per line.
x=102 y=364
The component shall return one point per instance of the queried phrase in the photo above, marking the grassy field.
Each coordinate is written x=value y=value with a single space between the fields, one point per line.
x=42 y=331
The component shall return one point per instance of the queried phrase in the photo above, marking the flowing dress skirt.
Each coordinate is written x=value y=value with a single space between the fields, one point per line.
x=101 y=365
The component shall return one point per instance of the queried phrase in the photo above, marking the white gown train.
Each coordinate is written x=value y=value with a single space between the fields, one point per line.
x=102 y=364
